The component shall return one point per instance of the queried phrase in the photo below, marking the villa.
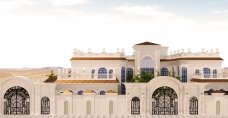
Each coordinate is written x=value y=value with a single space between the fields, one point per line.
x=182 y=83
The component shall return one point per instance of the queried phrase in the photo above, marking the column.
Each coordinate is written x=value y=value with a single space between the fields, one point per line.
x=148 y=102
x=143 y=100
x=52 y=100
x=201 y=101
x=180 y=100
x=36 y=102
x=128 y=101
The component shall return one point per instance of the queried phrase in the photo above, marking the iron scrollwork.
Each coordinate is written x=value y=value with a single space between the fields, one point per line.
x=16 y=101
x=45 y=105
x=193 y=108
x=164 y=101
x=135 y=105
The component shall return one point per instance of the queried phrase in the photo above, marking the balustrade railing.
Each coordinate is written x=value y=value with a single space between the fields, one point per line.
x=85 y=76
x=208 y=76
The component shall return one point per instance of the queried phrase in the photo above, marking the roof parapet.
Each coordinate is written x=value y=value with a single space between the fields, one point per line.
x=118 y=53
x=189 y=53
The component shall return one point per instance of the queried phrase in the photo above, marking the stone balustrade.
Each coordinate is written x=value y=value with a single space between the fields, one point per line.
x=208 y=76
x=82 y=76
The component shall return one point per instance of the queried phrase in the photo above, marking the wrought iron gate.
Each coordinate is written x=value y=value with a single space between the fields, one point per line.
x=135 y=105
x=164 y=101
x=193 y=106
x=45 y=105
x=16 y=101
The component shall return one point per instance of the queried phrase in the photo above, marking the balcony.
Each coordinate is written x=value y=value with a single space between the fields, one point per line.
x=81 y=76
x=208 y=76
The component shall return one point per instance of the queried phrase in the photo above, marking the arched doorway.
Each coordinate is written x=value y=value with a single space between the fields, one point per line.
x=164 y=101
x=45 y=105
x=135 y=105
x=16 y=101
x=193 y=106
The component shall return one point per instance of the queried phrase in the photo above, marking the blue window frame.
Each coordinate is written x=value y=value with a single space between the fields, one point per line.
x=102 y=73
x=123 y=77
x=147 y=70
x=197 y=72
x=121 y=89
x=164 y=72
x=129 y=74
x=110 y=74
x=207 y=72
x=184 y=74
x=215 y=74
x=92 y=73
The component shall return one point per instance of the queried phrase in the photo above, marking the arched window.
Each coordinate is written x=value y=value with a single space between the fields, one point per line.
x=206 y=72
x=184 y=74
x=80 y=92
x=92 y=73
x=123 y=74
x=111 y=107
x=147 y=65
x=110 y=74
x=193 y=106
x=102 y=92
x=214 y=73
x=45 y=105
x=135 y=105
x=69 y=73
x=122 y=89
x=164 y=72
x=197 y=72
x=102 y=73
x=129 y=74
x=88 y=106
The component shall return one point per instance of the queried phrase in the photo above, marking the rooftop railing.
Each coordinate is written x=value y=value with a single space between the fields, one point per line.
x=82 y=76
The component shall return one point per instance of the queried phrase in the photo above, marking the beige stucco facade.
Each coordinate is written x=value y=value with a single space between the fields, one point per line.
x=97 y=84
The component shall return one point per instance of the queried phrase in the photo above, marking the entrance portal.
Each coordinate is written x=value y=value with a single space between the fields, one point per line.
x=16 y=101
x=164 y=101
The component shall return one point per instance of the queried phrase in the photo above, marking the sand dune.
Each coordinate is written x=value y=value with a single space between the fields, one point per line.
x=30 y=73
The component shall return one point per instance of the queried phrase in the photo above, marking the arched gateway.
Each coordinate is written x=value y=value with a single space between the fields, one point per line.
x=164 y=101
x=16 y=101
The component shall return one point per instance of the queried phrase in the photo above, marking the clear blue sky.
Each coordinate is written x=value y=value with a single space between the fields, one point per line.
x=41 y=33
